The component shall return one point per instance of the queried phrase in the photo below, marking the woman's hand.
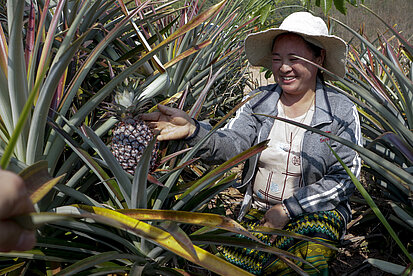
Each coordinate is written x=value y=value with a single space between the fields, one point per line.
x=275 y=217
x=14 y=200
x=170 y=123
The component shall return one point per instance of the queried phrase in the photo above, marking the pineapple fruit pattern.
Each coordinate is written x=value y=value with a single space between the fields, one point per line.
x=131 y=135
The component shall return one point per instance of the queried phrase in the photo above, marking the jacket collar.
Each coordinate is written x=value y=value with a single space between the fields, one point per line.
x=322 y=113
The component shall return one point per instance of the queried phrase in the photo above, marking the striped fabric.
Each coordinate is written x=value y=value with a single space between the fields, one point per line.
x=324 y=226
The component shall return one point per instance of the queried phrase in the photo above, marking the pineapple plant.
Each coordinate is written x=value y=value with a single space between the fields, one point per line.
x=131 y=136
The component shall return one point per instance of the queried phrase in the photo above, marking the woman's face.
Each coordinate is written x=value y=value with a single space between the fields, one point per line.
x=295 y=76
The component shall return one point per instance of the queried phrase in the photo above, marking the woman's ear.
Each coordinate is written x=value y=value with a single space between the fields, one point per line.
x=321 y=57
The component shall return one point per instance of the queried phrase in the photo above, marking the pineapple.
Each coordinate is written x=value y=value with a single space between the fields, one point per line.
x=131 y=135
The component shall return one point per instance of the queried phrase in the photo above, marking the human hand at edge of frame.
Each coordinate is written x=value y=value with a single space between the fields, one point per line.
x=170 y=123
x=275 y=217
x=14 y=200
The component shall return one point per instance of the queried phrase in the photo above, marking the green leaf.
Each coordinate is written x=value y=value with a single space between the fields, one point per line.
x=325 y=5
x=125 y=184
x=75 y=194
x=197 y=107
x=38 y=125
x=16 y=136
x=17 y=83
x=5 y=106
x=401 y=213
x=34 y=255
x=140 y=179
x=340 y=6
x=91 y=59
x=158 y=85
x=97 y=235
x=113 y=187
x=108 y=88
x=264 y=12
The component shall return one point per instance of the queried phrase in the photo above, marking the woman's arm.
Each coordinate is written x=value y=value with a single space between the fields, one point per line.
x=237 y=135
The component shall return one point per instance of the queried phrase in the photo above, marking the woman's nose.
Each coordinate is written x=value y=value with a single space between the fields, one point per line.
x=285 y=67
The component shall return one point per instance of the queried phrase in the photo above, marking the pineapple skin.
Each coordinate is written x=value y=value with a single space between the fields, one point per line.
x=129 y=139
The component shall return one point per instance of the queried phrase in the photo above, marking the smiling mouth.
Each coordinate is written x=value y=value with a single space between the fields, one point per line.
x=288 y=78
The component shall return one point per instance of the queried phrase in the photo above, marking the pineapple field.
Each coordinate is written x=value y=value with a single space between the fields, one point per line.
x=75 y=75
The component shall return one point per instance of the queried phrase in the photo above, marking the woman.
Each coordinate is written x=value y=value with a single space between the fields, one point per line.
x=296 y=183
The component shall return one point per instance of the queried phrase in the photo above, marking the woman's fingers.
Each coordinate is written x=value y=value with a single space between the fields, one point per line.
x=169 y=123
x=165 y=113
x=268 y=224
x=167 y=110
x=153 y=116
x=169 y=131
x=14 y=201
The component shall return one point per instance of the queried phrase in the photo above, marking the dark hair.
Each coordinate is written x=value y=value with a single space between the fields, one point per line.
x=316 y=50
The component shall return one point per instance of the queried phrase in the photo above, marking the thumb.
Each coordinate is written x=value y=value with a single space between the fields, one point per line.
x=166 y=110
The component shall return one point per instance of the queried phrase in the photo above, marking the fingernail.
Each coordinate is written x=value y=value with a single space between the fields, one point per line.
x=26 y=241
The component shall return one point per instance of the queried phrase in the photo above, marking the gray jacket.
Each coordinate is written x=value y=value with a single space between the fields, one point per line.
x=326 y=185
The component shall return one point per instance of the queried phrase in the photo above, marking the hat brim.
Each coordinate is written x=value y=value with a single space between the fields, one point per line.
x=259 y=52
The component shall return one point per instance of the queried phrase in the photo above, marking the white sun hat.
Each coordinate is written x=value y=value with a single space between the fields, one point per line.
x=258 y=46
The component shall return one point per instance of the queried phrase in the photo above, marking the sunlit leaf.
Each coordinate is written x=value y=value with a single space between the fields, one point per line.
x=38 y=180
x=6 y=270
x=210 y=220
x=161 y=237
x=180 y=236
x=187 y=53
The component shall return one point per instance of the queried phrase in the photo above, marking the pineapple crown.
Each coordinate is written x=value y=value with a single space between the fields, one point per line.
x=124 y=99
x=127 y=101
